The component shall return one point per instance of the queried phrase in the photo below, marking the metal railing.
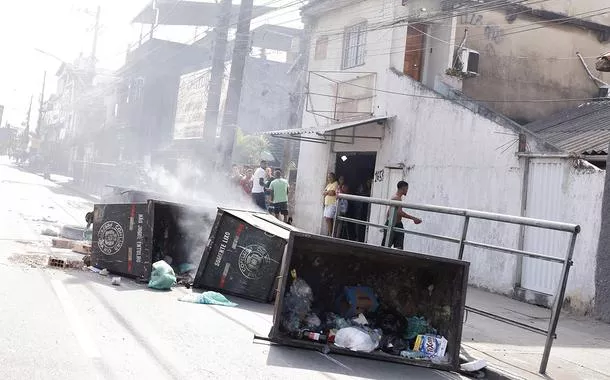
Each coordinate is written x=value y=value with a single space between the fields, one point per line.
x=462 y=242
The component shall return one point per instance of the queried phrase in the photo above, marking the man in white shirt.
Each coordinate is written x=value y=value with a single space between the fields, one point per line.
x=258 y=185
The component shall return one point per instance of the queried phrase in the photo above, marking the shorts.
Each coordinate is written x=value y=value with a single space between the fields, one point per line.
x=330 y=211
x=281 y=207
x=398 y=238
x=259 y=200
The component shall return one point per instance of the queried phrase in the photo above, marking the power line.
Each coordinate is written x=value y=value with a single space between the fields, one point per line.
x=513 y=31
x=472 y=100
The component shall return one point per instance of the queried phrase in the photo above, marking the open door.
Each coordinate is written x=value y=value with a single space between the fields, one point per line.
x=414 y=52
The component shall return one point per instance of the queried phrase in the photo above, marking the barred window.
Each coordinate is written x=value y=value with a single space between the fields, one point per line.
x=354 y=43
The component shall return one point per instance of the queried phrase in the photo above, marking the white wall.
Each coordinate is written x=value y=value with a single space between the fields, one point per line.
x=450 y=156
x=582 y=204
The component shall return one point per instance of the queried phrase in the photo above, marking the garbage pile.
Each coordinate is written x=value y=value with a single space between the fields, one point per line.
x=360 y=322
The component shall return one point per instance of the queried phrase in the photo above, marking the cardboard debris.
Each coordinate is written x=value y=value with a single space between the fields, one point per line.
x=82 y=248
x=63 y=243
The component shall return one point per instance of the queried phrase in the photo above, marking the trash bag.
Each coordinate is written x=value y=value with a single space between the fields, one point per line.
x=312 y=322
x=358 y=339
x=334 y=321
x=162 y=276
x=297 y=304
x=392 y=344
x=356 y=300
x=207 y=298
x=417 y=326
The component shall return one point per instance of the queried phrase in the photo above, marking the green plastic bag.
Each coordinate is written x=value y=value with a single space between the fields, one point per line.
x=208 y=298
x=162 y=276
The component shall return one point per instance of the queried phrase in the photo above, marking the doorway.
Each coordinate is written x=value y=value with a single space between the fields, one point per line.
x=414 y=50
x=358 y=170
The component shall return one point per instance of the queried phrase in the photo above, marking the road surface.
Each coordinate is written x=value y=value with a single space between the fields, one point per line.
x=73 y=324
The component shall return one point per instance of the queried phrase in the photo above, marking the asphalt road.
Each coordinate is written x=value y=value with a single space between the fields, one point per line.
x=73 y=324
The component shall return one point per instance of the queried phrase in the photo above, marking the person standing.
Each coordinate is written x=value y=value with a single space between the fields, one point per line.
x=246 y=182
x=258 y=185
x=330 y=202
x=398 y=238
x=279 y=196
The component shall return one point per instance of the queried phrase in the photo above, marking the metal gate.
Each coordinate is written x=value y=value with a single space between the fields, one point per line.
x=544 y=201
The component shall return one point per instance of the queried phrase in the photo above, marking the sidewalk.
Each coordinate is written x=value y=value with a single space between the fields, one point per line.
x=581 y=350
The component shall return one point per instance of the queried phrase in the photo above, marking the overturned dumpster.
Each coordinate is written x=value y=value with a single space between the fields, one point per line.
x=372 y=302
x=243 y=254
x=129 y=238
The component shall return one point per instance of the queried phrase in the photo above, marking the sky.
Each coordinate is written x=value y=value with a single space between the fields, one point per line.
x=64 y=29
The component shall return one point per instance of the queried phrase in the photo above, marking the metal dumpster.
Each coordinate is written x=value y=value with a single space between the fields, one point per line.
x=243 y=254
x=128 y=238
x=409 y=284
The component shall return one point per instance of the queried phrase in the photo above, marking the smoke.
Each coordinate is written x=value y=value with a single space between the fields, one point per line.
x=201 y=191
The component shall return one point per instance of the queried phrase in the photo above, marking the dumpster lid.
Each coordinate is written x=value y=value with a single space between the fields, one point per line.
x=263 y=221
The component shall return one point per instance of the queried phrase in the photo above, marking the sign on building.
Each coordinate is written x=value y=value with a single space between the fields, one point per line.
x=192 y=100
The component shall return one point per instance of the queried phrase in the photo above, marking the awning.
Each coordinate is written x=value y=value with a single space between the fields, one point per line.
x=328 y=133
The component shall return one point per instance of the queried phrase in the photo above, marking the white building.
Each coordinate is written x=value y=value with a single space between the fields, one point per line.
x=367 y=120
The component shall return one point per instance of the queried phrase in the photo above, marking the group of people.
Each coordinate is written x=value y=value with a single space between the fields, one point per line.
x=336 y=206
x=267 y=188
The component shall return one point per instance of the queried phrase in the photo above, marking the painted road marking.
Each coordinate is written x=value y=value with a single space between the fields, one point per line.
x=81 y=333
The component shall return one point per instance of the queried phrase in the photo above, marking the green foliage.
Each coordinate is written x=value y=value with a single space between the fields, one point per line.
x=249 y=148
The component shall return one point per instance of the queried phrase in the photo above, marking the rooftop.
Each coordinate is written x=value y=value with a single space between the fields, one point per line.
x=581 y=130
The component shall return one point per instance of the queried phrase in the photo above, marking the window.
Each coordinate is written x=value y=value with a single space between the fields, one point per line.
x=354 y=42
x=321 y=48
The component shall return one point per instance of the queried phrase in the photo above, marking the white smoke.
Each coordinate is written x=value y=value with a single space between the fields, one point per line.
x=201 y=191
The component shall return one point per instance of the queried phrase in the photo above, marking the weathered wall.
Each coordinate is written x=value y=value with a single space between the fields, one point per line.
x=602 y=269
x=537 y=64
x=582 y=204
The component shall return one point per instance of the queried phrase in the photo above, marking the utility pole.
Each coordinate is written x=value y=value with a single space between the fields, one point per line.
x=96 y=30
x=216 y=78
x=26 y=131
x=297 y=98
x=241 y=52
x=44 y=81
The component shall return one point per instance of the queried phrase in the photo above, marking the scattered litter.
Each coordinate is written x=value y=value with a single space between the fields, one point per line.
x=414 y=355
x=417 y=326
x=312 y=321
x=186 y=268
x=94 y=269
x=104 y=272
x=50 y=232
x=297 y=303
x=431 y=346
x=474 y=366
x=72 y=232
x=87 y=260
x=82 y=248
x=207 y=298
x=162 y=276
x=357 y=339
x=356 y=300
x=62 y=243
x=116 y=281
x=360 y=320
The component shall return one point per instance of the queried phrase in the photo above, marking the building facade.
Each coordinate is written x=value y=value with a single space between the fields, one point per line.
x=370 y=119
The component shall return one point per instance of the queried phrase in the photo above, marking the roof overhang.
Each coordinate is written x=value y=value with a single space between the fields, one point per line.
x=328 y=133
x=176 y=12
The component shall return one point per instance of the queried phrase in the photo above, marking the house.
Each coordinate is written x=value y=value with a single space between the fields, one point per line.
x=370 y=119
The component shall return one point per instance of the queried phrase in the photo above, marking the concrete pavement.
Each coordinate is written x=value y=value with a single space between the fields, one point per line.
x=580 y=351
x=73 y=324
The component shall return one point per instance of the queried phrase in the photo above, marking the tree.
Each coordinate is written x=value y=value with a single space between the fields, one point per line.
x=249 y=149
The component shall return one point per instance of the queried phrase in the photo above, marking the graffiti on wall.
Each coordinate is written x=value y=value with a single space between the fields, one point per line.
x=491 y=32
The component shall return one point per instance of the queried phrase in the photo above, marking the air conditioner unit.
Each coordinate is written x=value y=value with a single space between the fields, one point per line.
x=470 y=61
